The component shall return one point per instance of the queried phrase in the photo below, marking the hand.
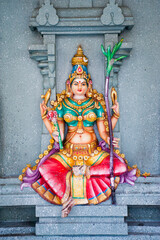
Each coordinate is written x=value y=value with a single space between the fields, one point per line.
x=114 y=142
x=55 y=135
x=115 y=107
x=43 y=108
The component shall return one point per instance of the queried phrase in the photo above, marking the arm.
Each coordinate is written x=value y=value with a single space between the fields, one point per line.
x=115 y=115
x=105 y=135
x=102 y=128
x=49 y=125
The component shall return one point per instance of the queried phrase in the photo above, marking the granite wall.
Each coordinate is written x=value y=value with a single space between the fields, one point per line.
x=21 y=84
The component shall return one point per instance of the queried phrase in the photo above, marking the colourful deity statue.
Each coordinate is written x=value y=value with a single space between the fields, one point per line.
x=79 y=171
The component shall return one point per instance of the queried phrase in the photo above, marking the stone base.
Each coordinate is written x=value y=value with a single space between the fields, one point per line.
x=88 y=222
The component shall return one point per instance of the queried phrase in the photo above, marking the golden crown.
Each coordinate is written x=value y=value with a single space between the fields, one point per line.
x=79 y=62
x=79 y=58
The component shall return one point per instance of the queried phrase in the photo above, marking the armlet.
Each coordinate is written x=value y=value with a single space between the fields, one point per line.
x=100 y=118
x=59 y=118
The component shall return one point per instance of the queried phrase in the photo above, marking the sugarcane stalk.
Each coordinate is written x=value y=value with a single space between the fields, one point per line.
x=111 y=139
x=59 y=136
x=109 y=55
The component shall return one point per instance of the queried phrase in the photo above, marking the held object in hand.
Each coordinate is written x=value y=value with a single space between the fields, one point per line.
x=110 y=61
x=52 y=116
x=113 y=95
x=46 y=97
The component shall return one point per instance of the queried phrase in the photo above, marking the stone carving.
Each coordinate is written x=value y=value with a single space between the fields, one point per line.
x=47 y=14
x=79 y=170
x=112 y=14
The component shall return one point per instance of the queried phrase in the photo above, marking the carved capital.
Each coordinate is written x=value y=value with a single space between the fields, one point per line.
x=45 y=57
x=112 y=14
x=47 y=15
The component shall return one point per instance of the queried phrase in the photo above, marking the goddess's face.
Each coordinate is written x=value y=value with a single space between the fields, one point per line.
x=79 y=87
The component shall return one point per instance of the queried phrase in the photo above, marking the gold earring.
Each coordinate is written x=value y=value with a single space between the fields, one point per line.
x=68 y=94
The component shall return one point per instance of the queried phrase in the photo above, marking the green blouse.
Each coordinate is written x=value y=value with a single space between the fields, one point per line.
x=72 y=111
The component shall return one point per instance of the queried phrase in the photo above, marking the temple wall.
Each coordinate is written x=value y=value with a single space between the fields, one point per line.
x=21 y=86
x=139 y=88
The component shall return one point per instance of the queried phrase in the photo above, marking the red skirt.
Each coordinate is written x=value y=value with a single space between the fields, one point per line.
x=55 y=184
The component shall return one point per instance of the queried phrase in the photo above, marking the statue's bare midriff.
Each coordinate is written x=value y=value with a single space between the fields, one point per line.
x=86 y=137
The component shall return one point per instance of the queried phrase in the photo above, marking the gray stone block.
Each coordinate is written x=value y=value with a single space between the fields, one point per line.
x=80 y=13
x=138 y=199
x=100 y=3
x=129 y=237
x=103 y=3
x=138 y=188
x=16 y=229
x=80 y=4
x=84 y=219
x=81 y=229
x=80 y=211
x=144 y=230
x=22 y=200
x=60 y=3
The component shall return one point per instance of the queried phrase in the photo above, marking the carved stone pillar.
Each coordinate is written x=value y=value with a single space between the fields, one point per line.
x=45 y=54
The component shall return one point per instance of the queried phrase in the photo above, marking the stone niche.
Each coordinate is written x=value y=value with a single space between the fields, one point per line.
x=63 y=25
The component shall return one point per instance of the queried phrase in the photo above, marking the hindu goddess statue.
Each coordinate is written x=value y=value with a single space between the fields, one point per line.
x=79 y=173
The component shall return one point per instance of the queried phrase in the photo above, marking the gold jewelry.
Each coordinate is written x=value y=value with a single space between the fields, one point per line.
x=46 y=97
x=43 y=117
x=74 y=158
x=79 y=101
x=76 y=75
x=53 y=128
x=86 y=158
x=89 y=94
x=86 y=129
x=79 y=108
x=68 y=94
x=116 y=115
x=99 y=149
x=70 y=108
x=91 y=117
x=79 y=58
x=113 y=95
x=95 y=151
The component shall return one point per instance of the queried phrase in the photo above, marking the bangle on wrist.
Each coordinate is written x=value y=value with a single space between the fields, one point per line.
x=116 y=115
x=43 y=117
x=53 y=128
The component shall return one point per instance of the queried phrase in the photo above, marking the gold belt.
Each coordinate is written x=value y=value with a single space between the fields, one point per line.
x=73 y=149
x=81 y=152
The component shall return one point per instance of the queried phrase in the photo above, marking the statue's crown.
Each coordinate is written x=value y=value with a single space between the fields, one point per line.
x=79 y=58
x=79 y=70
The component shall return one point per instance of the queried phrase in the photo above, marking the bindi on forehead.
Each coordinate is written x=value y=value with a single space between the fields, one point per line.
x=79 y=81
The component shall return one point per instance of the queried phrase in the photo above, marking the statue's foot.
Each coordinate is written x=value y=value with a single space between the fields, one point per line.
x=67 y=206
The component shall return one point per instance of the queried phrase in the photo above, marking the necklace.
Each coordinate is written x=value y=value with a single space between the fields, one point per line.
x=79 y=108
x=79 y=102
